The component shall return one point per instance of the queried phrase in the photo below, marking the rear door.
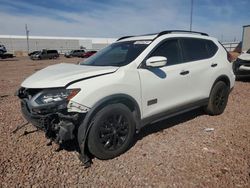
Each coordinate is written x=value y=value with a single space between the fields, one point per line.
x=198 y=53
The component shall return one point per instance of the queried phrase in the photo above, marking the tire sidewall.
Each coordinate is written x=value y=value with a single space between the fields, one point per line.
x=212 y=109
x=94 y=145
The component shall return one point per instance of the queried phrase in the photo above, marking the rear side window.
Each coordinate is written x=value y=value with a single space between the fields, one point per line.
x=211 y=48
x=170 y=50
x=198 y=49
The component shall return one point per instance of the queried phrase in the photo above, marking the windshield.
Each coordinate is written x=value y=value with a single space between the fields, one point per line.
x=248 y=51
x=117 y=54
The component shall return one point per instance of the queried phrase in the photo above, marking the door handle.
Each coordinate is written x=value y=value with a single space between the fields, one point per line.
x=214 y=65
x=184 y=72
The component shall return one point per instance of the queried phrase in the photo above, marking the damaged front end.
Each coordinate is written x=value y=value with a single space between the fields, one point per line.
x=47 y=109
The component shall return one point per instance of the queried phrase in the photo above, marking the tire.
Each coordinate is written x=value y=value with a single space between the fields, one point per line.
x=112 y=132
x=218 y=99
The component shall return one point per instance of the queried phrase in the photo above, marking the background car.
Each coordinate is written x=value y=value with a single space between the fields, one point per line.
x=2 y=49
x=241 y=66
x=34 y=52
x=4 y=54
x=45 y=54
x=75 y=53
x=88 y=54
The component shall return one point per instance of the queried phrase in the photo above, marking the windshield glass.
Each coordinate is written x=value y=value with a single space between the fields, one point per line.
x=248 y=51
x=117 y=54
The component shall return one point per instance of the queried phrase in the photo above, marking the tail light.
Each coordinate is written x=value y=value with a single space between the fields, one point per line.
x=230 y=58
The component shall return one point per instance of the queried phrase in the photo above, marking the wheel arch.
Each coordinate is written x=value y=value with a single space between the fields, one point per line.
x=223 y=78
x=125 y=99
x=85 y=126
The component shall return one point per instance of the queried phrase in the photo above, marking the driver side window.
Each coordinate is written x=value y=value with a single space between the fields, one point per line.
x=169 y=49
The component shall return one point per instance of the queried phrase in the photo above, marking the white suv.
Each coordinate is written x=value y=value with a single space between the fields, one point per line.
x=133 y=82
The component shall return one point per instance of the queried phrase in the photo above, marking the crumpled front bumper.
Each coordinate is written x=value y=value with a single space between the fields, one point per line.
x=58 y=125
x=60 y=121
x=38 y=121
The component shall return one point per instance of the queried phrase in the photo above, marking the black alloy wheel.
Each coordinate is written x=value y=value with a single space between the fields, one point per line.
x=112 y=131
x=218 y=98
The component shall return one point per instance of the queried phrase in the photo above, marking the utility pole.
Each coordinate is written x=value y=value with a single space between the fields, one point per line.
x=222 y=38
x=27 y=37
x=191 y=15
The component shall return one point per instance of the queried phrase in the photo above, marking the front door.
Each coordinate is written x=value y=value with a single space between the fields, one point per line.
x=167 y=87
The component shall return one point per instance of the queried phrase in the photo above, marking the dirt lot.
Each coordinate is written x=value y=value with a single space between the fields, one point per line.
x=177 y=152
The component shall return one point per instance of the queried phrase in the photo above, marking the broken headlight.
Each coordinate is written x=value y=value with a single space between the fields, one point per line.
x=56 y=95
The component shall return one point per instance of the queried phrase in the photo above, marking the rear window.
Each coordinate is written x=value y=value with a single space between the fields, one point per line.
x=211 y=48
x=197 y=49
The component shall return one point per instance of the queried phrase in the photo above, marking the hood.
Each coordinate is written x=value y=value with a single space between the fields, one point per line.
x=61 y=74
x=245 y=57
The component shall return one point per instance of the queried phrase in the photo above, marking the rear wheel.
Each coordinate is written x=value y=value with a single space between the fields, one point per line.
x=218 y=99
x=112 y=131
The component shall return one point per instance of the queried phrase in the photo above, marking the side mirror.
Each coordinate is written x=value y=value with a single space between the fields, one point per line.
x=156 y=61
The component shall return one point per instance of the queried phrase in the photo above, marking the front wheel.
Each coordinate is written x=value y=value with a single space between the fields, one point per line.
x=112 y=131
x=218 y=99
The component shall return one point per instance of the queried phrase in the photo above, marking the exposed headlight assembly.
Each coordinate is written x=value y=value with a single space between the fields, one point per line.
x=56 y=95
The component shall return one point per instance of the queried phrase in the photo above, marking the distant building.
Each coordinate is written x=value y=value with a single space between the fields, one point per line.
x=246 y=38
x=14 y=43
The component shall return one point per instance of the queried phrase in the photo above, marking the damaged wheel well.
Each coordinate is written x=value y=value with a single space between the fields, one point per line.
x=86 y=124
x=113 y=99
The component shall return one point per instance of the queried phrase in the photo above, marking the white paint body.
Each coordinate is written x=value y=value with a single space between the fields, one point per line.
x=164 y=84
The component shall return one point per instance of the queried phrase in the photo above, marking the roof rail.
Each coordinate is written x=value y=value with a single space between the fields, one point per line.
x=166 y=32
x=136 y=36
x=124 y=37
x=180 y=31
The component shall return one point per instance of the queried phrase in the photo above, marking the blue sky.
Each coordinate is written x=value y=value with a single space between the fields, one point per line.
x=114 y=18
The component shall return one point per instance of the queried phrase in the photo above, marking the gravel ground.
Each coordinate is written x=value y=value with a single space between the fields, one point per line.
x=177 y=152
